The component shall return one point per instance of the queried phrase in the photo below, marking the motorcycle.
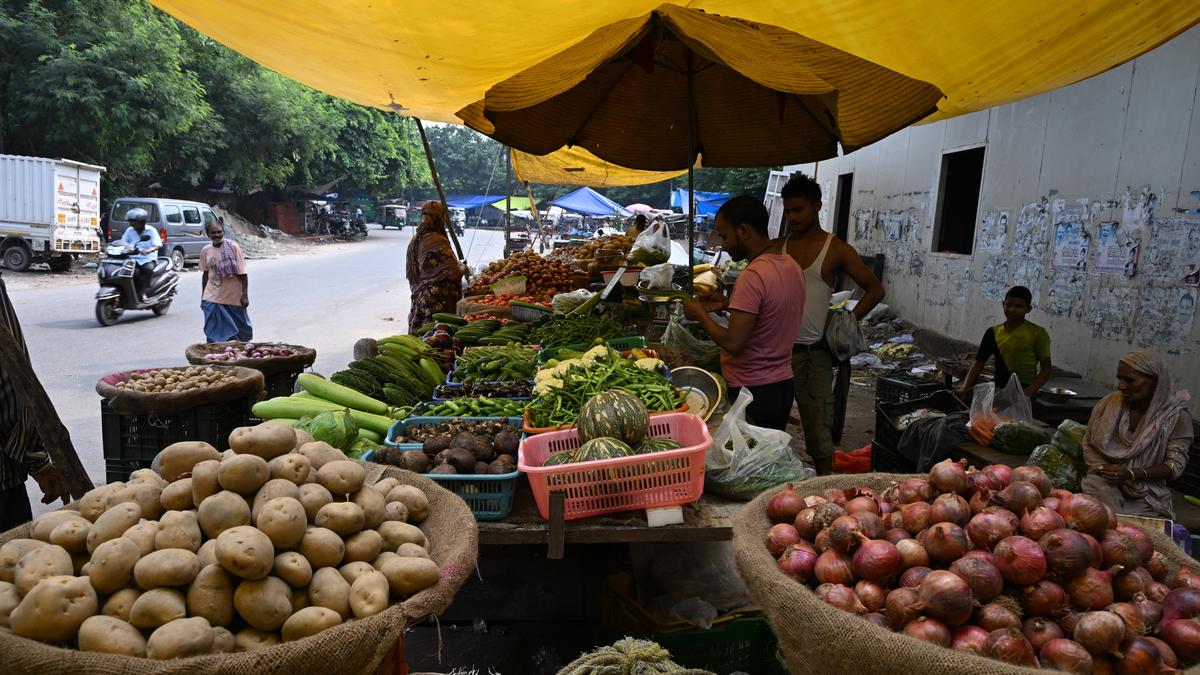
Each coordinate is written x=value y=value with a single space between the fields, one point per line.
x=358 y=228
x=117 y=293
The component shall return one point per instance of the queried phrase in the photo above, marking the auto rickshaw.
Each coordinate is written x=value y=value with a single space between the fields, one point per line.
x=394 y=215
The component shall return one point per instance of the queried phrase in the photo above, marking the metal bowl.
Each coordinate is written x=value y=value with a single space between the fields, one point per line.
x=1056 y=394
x=699 y=382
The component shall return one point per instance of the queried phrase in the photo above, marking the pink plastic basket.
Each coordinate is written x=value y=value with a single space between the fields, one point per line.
x=654 y=480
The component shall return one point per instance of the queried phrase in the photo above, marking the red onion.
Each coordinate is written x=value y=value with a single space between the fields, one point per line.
x=1134 y=625
x=1040 y=521
x=863 y=492
x=1034 y=475
x=1045 y=598
x=1119 y=549
x=944 y=542
x=781 y=536
x=1181 y=603
x=1085 y=513
x=799 y=562
x=970 y=639
x=783 y=507
x=876 y=560
x=1184 y=578
x=885 y=507
x=813 y=501
x=917 y=516
x=981 y=500
x=994 y=616
x=837 y=496
x=1157 y=592
x=862 y=505
x=913 y=490
x=878 y=619
x=1009 y=645
x=946 y=597
x=1052 y=504
x=1002 y=473
x=1020 y=560
x=1139 y=538
x=1168 y=654
x=897 y=535
x=1156 y=565
x=1067 y=656
x=982 y=479
x=949 y=476
x=902 y=606
x=804 y=524
x=912 y=554
x=1068 y=553
x=870 y=524
x=982 y=555
x=821 y=542
x=1150 y=610
x=1018 y=497
x=825 y=515
x=1138 y=656
x=950 y=508
x=1093 y=589
x=1127 y=586
x=929 y=630
x=1097 y=553
x=1059 y=493
x=1112 y=517
x=985 y=580
x=893 y=520
x=833 y=567
x=1100 y=632
x=1183 y=637
x=841 y=597
x=871 y=595
x=1068 y=622
x=1039 y=631
x=913 y=576
x=845 y=533
x=991 y=526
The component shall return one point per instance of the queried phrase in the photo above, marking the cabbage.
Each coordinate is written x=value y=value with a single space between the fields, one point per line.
x=360 y=448
x=335 y=427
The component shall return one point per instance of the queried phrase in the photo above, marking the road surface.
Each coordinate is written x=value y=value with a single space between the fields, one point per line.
x=325 y=299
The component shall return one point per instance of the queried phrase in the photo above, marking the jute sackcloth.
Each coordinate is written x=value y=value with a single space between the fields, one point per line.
x=249 y=384
x=301 y=358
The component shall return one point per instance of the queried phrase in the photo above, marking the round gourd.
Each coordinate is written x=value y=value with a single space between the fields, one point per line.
x=614 y=414
x=602 y=448
x=560 y=458
x=656 y=445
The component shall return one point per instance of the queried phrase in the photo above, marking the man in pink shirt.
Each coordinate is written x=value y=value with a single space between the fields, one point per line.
x=765 y=312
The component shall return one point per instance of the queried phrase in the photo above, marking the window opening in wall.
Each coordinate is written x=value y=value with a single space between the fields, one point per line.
x=958 y=201
x=841 y=221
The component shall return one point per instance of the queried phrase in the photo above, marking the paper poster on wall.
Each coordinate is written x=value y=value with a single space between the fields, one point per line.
x=1027 y=272
x=1070 y=245
x=1111 y=312
x=992 y=231
x=994 y=283
x=1165 y=317
x=1032 y=234
x=1064 y=296
x=1116 y=253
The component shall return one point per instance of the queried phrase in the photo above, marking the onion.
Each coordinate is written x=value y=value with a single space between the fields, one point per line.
x=826 y=514
x=1085 y=513
x=876 y=560
x=982 y=479
x=1184 y=577
x=1002 y=473
x=862 y=492
x=944 y=542
x=1052 y=503
x=1097 y=553
x=1139 y=538
x=1119 y=549
x=1156 y=565
x=970 y=639
x=994 y=616
x=1067 y=656
x=871 y=595
x=991 y=526
x=1183 y=637
x=1112 y=517
x=1157 y=592
x=799 y=562
x=1034 y=475
x=1139 y=655
x=783 y=507
x=1009 y=645
x=1168 y=654
x=1018 y=497
x=1059 y=493
x=917 y=517
x=981 y=500
x=822 y=541
x=1068 y=553
x=1093 y=589
x=1039 y=631
x=1181 y=603
x=1040 y=521
x=946 y=597
x=781 y=536
x=837 y=496
x=893 y=520
x=949 y=476
x=950 y=508
x=862 y=505
x=1068 y=622
x=842 y=597
x=878 y=619
x=833 y=567
x=913 y=490
x=1100 y=632
x=982 y=555
x=912 y=554
x=1020 y=560
x=981 y=576
x=1045 y=598
x=1128 y=586
x=897 y=535
x=870 y=523
x=845 y=533
x=813 y=501
x=902 y=606
x=1134 y=625
x=804 y=524
x=929 y=630
x=913 y=576
x=885 y=507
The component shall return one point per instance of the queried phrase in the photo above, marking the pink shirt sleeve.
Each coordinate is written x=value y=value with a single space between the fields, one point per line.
x=747 y=292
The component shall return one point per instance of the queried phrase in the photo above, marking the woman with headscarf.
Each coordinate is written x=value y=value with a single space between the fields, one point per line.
x=434 y=274
x=1138 y=438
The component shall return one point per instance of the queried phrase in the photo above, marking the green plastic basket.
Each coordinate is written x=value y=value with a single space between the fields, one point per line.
x=619 y=344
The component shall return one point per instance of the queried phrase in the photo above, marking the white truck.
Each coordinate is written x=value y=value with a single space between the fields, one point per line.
x=49 y=211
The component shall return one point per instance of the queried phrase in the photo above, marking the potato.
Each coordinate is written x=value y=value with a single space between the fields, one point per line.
x=251 y=639
x=372 y=504
x=145 y=494
x=9 y=599
x=408 y=550
x=178 y=496
x=211 y=596
x=320 y=452
x=72 y=534
x=112 y=565
x=292 y=568
x=330 y=589
x=120 y=604
x=385 y=486
x=92 y=504
x=313 y=497
x=364 y=546
x=276 y=487
x=309 y=621
x=377 y=563
x=414 y=499
x=156 y=607
x=395 y=533
x=369 y=594
x=322 y=547
x=10 y=555
x=179 y=458
x=208 y=553
x=267 y=440
x=292 y=467
x=42 y=563
x=148 y=476
x=408 y=575
x=342 y=476
x=222 y=511
x=44 y=524
x=264 y=603
x=204 y=480
x=243 y=474
x=299 y=599
x=246 y=552
x=54 y=609
x=112 y=524
x=168 y=567
x=345 y=518
x=144 y=535
x=178 y=529
x=395 y=511
x=353 y=570
x=110 y=635
x=180 y=638
x=302 y=437
x=283 y=521
x=223 y=641
x=228 y=454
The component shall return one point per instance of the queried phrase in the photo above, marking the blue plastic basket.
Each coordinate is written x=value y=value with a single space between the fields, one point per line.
x=490 y=497
x=400 y=426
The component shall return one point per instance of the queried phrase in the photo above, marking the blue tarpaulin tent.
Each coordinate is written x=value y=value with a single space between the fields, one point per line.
x=469 y=201
x=707 y=203
x=587 y=201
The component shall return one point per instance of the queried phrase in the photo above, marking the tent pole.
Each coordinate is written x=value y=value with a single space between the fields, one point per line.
x=437 y=182
x=537 y=218
x=691 y=160
x=508 y=176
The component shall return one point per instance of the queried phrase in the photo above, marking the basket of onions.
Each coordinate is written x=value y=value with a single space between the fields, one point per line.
x=964 y=570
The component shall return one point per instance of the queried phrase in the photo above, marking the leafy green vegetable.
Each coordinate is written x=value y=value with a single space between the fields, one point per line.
x=1069 y=438
x=1018 y=438
x=335 y=427
x=1060 y=468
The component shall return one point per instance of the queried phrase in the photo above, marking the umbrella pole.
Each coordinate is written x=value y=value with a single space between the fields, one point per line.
x=437 y=182
x=691 y=160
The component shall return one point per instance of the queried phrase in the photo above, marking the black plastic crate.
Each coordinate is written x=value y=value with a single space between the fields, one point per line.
x=902 y=387
x=886 y=414
x=886 y=460
x=132 y=441
x=280 y=384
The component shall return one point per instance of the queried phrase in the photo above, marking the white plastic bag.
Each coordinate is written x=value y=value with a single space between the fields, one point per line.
x=565 y=302
x=1011 y=404
x=652 y=247
x=843 y=334
x=657 y=277
x=744 y=459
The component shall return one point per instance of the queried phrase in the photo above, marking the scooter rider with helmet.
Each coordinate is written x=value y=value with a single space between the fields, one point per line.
x=146 y=251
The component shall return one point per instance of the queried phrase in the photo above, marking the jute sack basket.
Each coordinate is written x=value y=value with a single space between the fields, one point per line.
x=249 y=384
x=817 y=638
x=355 y=646
x=302 y=357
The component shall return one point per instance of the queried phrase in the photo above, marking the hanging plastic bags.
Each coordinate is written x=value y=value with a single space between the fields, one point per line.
x=744 y=459
x=652 y=247
x=657 y=277
x=989 y=410
x=695 y=351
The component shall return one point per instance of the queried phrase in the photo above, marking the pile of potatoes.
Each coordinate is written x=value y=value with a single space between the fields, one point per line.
x=273 y=540
x=175 y=379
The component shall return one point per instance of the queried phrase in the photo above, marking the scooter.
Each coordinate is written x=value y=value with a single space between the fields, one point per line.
x=358 y=228
x=117 y=292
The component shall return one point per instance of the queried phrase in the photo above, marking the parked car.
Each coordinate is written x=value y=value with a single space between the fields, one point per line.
x=180 y=224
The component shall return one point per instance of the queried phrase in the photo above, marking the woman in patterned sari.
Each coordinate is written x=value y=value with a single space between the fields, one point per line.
x=434 y=274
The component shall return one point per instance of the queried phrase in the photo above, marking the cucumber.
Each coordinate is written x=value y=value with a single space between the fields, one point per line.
x=294 y=407
x=344 y=396
x=452 y=319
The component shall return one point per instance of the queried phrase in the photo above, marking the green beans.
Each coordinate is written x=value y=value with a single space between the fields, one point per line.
x=475 y=407
x=562 y=330
x=495 y=364
x=561 y=405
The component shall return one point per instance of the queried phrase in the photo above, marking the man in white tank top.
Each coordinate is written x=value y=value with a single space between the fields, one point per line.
x=823 y=257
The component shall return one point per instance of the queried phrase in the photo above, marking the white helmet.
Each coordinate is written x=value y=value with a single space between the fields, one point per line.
x=137 y=214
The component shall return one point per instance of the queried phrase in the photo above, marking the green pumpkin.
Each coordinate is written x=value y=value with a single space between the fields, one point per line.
x=656 y=445
x=560 y=458
x=602 y=448
x=614 y=414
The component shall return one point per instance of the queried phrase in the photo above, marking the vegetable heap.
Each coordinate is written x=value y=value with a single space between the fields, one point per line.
x=404 y=372
x=543 y=277
x=506 y=299
x=562 y=387
x=250 y=350
x=459 y=332
x=495 y=364
x=472 y=406
x=997 y=563
x=486 y=390
x=556 y=331
x=277 y=540
x=612 y=424
x=164 y=380
x=456 y=447
x=372 y=416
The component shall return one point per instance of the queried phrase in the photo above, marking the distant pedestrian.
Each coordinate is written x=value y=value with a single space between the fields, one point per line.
x=226 y=289
x=434 y=275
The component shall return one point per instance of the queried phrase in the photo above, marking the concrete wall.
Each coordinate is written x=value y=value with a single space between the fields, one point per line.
x=1122 y=147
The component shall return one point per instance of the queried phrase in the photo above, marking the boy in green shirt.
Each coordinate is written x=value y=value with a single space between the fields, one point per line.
x=1021 y=347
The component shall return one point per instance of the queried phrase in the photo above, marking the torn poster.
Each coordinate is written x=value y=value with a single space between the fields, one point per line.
x=992 y=231
x=1070 y=245
x=1165 y=318
x=1116 y=252
x=994 y=283
x=1064 y=297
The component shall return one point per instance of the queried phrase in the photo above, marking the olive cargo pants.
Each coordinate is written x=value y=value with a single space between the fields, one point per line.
x=813 y=370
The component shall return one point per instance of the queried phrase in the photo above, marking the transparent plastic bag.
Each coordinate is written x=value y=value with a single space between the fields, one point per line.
x=989 y=409
x=652 y=247
x=744 y=459
x=1069 y=438
x=702 y=353
x=657 y=277
x=565 y=302
x=1011 y=403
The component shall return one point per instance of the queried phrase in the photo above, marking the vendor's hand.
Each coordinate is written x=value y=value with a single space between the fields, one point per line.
x=1113 y=473
x=713 y=302
x=693 y=308
x=53 y=485
x=961 y=393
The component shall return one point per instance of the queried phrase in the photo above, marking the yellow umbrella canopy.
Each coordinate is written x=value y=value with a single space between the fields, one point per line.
x=757 y=95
